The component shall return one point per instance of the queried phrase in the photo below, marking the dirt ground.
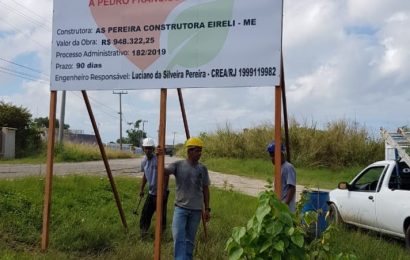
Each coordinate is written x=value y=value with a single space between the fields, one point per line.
x=130 y=167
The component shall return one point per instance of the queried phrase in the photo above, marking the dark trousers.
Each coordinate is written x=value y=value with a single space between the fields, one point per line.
x=149 y=209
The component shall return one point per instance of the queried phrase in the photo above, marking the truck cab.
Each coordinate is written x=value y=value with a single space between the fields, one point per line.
x=377 y=199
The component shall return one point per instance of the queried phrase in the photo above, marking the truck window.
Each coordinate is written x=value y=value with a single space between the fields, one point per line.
x=400 y=181
x=368 y=180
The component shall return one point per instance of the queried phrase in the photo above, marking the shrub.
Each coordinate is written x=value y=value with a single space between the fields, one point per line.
x=73 y=152
x=27 y=137
x=276 y=233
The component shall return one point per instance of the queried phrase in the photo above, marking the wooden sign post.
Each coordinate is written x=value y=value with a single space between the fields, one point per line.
x=161 y=174
x=278 y=142
x=49 y=167
x=49 y=170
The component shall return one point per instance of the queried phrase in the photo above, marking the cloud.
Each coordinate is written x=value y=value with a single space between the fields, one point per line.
x=343 y=59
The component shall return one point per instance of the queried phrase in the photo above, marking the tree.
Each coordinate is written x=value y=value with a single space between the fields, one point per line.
x=27 y=137
x=135 y=135
x=44 y=122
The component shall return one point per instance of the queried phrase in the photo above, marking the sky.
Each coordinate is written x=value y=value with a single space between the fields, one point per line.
x=343 y=59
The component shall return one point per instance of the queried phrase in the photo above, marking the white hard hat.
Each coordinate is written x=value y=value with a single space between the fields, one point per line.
x=148 y=142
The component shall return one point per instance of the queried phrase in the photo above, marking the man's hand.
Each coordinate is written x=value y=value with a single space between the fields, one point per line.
x=159 y=151
x=206 y=215
x=141 y=194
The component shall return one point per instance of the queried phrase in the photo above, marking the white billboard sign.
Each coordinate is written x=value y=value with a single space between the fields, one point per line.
x=144 y=44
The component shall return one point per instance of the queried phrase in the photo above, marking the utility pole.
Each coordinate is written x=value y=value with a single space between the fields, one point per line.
x=143 y=123
x=120 y=93
x=173 y=141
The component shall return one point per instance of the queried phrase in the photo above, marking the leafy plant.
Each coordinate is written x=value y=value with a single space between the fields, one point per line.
x=273 y=232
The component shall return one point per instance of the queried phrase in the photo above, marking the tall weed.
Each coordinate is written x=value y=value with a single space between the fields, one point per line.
x=341 y=143
x=73 y=152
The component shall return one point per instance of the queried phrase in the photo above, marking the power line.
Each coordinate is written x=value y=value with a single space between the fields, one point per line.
x=92 y=101
x=102 y=104
x=30 y=19
x=31 y=11
x=22 y=75
x=26 y=67
x=25 y=33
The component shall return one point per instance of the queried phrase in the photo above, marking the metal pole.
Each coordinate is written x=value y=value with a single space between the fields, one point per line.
x=104 y=157
x=278 y=143
x=285 y=109
x=181 y=104
x=120 y=123
x=161 y=169
x=49 y=170
x=143 y=124
x=62 y=116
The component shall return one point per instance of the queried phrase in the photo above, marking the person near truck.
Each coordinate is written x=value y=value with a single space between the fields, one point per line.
x=288 y=174
x=191 y=198
x=149 y=168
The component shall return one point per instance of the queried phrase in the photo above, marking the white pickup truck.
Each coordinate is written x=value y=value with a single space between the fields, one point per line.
x=378 y=198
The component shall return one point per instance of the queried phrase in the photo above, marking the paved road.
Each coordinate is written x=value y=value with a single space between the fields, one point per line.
x=130 y=167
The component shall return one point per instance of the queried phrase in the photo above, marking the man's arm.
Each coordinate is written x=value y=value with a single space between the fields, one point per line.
x=207 y=213
x=144 y=181
x=291 y=194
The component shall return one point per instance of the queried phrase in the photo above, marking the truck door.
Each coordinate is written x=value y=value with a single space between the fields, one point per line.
x=392 y=206
x=362 y=195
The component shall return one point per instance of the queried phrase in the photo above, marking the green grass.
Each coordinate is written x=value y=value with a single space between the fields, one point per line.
x=368 y=245
x=85 y=221
x=71 y=152
x=263 y=169
x=34 y=159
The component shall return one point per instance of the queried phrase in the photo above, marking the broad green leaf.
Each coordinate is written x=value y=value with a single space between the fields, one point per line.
x=250 y=223
x=298 y=240
x=279 y=246
x=238 y=233
x=183 y=44
x=229 y=244
x=261 y=212
x=291 y=231
x=310 y=217
x=235 y=253
x=266 y=244
x=277 y=256
x=277 y=228
x=286 y=218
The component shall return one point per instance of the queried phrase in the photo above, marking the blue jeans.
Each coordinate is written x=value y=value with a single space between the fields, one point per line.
x=184 y=227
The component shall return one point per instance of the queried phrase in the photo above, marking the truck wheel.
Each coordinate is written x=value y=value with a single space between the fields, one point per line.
x=407 y=238
x=334 y=216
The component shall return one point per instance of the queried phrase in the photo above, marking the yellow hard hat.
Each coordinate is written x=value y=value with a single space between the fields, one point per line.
x=194 y=141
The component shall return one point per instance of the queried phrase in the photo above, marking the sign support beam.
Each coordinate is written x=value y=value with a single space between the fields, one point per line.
x=161 y=169
x=278 y=142
x=49 y=170
x=104 y=157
